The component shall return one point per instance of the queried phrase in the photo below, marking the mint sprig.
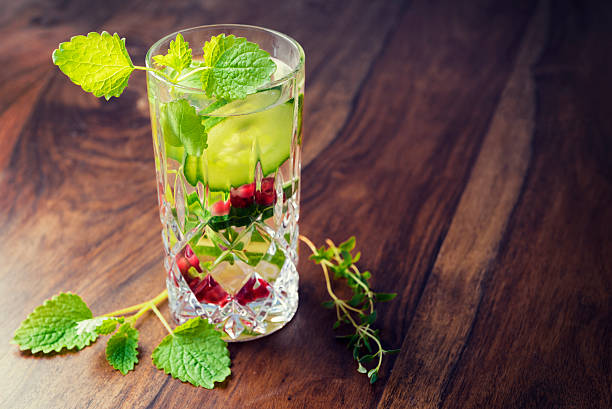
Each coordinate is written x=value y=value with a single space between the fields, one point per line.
x=65 y=322
x=233 y=67
x=357 y=312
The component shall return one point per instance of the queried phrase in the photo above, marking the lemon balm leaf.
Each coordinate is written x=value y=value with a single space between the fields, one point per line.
x=54 y=326
x=235 y=68
x=182 y=126
x=194 y=353
x=217 y=45
x=122 y=349
x=108 y=325
x=178 y=57
x=99 y=63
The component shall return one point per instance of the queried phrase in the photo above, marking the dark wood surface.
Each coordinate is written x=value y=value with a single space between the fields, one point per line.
x=467 y=145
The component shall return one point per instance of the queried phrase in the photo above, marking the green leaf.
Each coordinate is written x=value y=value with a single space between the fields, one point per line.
x=356 y=300
x=217 y=45
x=348 y=245
x=178 y=57
x=195 y=353
x=99 y=325
x=382 y=297
x=361 y=368
x=54 y=326
x=328 y=304
x=181 y=126
x=99 y=63
x=122 y=349
x=236 y=67
x=369 y=319
x=366 y=358
x=373 y=375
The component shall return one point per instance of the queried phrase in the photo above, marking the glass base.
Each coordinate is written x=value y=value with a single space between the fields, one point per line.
x=240 y=318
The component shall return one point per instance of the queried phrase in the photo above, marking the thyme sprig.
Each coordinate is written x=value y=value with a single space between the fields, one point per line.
x=358 y=311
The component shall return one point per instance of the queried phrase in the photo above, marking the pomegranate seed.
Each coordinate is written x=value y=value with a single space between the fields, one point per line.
x=266 y=196
x=220 y=208
x=208 y=290
x=242 y=196
x=249 y=293
x=182 y=264
x=192 y=258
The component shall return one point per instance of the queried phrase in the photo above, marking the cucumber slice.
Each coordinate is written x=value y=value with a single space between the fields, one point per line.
x=236 y=144
x=194 y=169
x=251 y=103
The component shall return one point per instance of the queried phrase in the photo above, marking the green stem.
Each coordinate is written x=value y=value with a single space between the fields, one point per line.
x=158 y=72
x=159 y=298
x=190 y=73
x=162 y=319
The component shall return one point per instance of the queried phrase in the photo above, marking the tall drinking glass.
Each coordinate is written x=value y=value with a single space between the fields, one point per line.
x=230 y=214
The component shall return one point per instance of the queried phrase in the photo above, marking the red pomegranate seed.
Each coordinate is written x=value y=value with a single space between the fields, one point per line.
x=249 y=293
x=208 y=290
x=192 y=258
x=220 y=208
x=266 y=196
x=182 y=264
x=242 y=196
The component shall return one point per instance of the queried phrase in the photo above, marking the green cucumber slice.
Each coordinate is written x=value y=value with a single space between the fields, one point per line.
x=194 y=168
x=236 y=144
x=251 y=103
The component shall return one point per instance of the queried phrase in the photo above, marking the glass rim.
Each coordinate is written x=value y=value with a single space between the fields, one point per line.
x=290 y=75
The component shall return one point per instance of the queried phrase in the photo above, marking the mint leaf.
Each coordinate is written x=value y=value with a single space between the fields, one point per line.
x=108 y=325
x=236 y=67
x=195 y=353
x=178 y=57
x=122 y=349
x=54 y=326
x=217 y=46
x=99 y=63
x=183 y=127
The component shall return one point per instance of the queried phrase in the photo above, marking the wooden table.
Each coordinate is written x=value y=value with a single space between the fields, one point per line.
x=467 y=145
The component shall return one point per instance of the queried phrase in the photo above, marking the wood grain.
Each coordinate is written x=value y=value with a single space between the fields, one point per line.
x=467 y=145
x=447 y=309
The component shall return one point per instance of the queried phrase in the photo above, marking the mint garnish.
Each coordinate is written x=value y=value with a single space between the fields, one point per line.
x=234 y=67
x=178 y=57
x=122 y=348
x=53 y=326
x=194 y=353
x=183 y=127
x=99 y=63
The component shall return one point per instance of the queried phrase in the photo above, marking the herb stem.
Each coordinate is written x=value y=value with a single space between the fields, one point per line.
x=190 y=73
x=158 y=299
x=158 y=72
x=162 y=319
x=313 y=248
